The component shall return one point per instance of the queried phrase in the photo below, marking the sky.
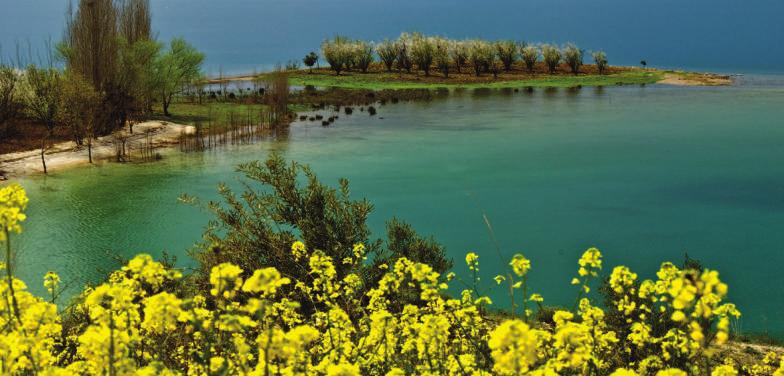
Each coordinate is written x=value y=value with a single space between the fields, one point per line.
x=241 y=35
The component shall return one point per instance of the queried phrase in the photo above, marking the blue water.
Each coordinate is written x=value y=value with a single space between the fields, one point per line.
x=241 y=35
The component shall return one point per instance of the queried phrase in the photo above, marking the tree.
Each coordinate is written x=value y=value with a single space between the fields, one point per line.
x=42 y=101
x=441 y=55
x=530 y=54
x=361 y=55
x=458 y=51
x=404 y=52
x=337 y=53
x=310 y=60
x=481 y=56
x=10 y=101
x=573 y=57
x=422 y=50
x=175 y=69
x=552 y=57
x=600 y=58
x=78 y=102
x=507 y=53
x=387 y=52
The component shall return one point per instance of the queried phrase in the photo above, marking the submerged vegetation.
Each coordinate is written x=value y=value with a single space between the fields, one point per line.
x=289 y=282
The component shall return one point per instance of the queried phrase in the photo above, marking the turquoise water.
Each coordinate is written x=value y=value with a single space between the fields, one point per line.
x=643 y=173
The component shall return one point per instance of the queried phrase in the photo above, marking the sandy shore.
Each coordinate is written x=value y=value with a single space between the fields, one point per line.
x=66 y=155
x=695 y=79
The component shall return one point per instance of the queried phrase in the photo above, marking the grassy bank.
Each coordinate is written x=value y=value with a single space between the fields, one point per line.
x=382 y=80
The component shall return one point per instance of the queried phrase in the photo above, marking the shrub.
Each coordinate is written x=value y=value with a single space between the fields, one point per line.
x=292 y=65
x=573 y=57
x=337 y=53
x=310 y=59
x=551 y=56
x=530 y=54
x=458 y=52
x=387 y=51
x=507 y=53
x=250 y=229
x=362 y=55
x=422 y=51
x=600 y=58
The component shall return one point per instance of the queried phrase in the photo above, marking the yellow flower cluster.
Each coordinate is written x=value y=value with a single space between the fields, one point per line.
x=255 y=323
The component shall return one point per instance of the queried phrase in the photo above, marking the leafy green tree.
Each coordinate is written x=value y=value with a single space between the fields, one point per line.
x=458 y=52
x=10 y=100
x=285 y=202
x=507 y=53
x=481 y=55
x=387 y=52
x=337 y=53
x=422 y=51
x=176 y=68
x=42 y=101
x=573 y=56
x=362 y=55
x=310 y=60
x=404 y=44
x=441 y=55
x=552 y=57
x=600 y=58
x=78 y=103
x=530 y=54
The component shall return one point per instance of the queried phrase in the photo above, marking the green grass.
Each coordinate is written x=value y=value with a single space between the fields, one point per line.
x=219 y=112
x=379 y=81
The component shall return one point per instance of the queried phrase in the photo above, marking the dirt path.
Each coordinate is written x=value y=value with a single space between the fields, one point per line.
x=66 y=154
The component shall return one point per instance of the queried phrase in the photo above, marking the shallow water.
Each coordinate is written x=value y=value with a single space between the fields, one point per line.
x=644 y=173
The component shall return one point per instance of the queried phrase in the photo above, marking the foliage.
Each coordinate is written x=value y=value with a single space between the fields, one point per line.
x=78 y=101
x=530 y=55
x=481 y=55
x=176 y=68
x=422 y=52
x=387 y=52
x=251 y=321
x=362 y=55
x=310 y=59
x=458 y=51
x=552 y=57
x=404 y=60
x=441 y=56
x=10 y=98
x=573 y=57
x=41 y=96
x=251 y=229
x=337 y=52
x=507 y=53
x=600 y=58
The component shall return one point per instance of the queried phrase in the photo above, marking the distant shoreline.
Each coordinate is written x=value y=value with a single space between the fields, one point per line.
x=378 y=79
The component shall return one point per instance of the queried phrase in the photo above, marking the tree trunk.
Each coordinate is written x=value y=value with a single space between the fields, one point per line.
x=90 y=149
x=43 y=151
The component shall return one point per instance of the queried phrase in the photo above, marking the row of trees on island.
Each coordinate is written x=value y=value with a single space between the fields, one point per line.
x=107 y=72
x=413 y=52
